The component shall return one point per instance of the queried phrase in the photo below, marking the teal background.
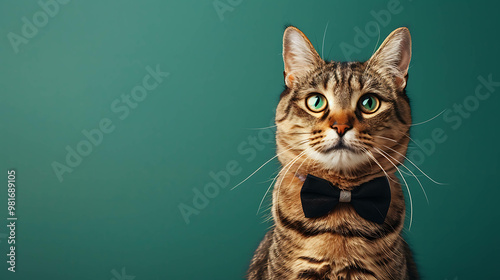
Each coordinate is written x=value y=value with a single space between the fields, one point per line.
x=120 y=207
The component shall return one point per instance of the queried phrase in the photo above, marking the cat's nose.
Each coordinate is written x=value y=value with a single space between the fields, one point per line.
x=341 y=128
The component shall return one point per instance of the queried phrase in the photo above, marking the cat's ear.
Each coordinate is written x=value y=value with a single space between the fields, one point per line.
x=394 y=55
x=299 y=55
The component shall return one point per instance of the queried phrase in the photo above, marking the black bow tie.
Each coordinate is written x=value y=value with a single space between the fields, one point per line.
x=371 y=200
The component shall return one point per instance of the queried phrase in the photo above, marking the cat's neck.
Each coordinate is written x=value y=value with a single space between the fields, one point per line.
x=345 y=181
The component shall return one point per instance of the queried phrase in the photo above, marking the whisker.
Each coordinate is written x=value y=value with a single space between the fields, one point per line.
x=270 y=185
x=404 y=133
x=370 y=154
x=374 y=49
x=298 y=133
x=386 y=138
x=425 y=174
x=406 y=184
x=365 y=150
x=267 y=191
x=323 y=44
x=395 y=141
x=404 y=172
x=257 y=128
x=267 y=163
x=284 y=174
x=411 y=139
x=375 y=160
x=298 y=168
x=413 y=174
x=290 y=164
x=378 y=40
x=415 y=124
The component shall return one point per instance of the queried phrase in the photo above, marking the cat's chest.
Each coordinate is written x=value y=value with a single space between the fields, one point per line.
x=329 y=248
x=330 y=257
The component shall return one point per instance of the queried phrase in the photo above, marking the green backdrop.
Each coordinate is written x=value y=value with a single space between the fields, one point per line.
x=107 y=154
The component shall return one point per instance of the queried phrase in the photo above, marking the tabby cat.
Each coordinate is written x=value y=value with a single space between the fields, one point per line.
x=346 y=123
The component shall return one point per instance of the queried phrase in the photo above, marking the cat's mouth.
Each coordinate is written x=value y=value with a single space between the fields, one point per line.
x=339 y=154
x=339 y=146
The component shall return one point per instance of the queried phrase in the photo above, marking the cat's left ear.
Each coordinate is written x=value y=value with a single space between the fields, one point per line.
x=299 y=55
x=394 y=55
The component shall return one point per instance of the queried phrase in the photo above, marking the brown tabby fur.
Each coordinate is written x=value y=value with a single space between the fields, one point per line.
x=340 y=245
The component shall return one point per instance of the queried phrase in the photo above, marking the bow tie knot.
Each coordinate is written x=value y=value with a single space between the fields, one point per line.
x=371 y=200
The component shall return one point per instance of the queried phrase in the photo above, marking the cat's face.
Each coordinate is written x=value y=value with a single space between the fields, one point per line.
x=344 y=117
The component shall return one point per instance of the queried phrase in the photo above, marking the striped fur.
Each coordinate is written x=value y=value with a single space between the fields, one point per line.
x=340 y=245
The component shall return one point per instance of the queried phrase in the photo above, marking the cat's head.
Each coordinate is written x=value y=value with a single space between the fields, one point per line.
x=346 y=119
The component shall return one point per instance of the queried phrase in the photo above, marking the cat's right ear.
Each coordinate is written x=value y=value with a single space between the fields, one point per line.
x=299 y=55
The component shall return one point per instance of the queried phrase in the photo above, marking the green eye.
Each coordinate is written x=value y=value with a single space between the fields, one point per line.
x=369 y=104
x=316 y=102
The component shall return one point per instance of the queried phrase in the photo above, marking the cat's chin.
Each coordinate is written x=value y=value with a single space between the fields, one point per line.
x=341 y=160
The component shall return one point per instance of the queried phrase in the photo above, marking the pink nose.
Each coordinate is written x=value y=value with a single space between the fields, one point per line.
x=341 y=128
